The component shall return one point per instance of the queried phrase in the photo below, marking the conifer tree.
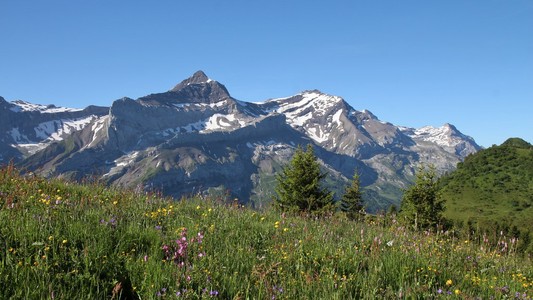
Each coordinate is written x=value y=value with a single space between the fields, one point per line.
x=299 y=184
x=422 y=204
x=351 y=201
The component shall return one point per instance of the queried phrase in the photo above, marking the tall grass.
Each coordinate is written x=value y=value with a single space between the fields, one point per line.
x=60 y=240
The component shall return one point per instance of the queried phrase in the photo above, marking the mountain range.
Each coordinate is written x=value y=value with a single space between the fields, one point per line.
x=196 y=138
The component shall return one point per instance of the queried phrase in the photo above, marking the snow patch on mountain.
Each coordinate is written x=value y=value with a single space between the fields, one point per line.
x=222 y=122
x=97 y=126
x=21 y=105
x=55 y=130
x=122 y=162
x=312 y=111
x=442 y=136
x=17 y=136
x=314 y=100
x=200 y=105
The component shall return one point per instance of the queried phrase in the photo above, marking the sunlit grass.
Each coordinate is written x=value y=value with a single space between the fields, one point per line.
x=66 y=241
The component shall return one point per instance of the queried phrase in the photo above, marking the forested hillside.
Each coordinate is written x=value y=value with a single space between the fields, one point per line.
x=492 y=190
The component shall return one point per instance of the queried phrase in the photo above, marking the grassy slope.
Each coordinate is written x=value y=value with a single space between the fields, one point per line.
x=77 y=241
x=493 y=188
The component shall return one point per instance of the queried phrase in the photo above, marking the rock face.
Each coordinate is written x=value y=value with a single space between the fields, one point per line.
x=26 y=128
x=196 y=138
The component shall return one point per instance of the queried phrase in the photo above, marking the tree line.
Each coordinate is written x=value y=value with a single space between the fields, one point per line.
x=300 y=190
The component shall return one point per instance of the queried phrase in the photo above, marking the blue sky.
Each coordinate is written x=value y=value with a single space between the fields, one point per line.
x=412 y=63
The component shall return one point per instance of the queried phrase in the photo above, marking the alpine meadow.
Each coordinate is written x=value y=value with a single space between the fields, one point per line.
x=61 y=240
x=193 y=194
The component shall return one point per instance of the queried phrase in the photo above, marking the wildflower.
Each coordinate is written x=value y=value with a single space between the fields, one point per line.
x=65 y=241
x=145 y=258
x=439 y=291
x=449 y=282
x=199 y=237
x=213 y=293
x=457 y=292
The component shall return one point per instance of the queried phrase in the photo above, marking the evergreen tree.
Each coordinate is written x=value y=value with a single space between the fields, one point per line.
x=351 y=201
x=299 y=187
x=422 y=204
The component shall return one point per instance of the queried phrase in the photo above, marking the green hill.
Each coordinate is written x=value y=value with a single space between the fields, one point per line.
x=493 y=189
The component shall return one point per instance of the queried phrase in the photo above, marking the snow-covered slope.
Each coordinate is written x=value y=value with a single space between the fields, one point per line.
x=447 y=136
x=26 y=128
x=23 y=106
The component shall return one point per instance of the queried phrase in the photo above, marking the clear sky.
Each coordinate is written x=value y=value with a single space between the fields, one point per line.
x=412 y=63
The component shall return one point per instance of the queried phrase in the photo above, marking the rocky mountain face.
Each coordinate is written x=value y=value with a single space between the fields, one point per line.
x=26 y=128
x=196 y=138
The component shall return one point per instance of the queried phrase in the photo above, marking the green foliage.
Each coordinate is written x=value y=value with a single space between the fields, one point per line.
x=299 y=185
x=60 y=240
x=351 y=202
x=493 y=188
x=422 y=205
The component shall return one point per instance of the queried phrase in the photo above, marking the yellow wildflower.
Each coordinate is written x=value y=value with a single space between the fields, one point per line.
x=449 y=282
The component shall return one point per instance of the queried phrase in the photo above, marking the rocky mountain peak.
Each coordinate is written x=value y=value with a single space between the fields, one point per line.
x=449 y=127
x=3 y=103
x=315 y=91
x=196 y=89
x=197 y=78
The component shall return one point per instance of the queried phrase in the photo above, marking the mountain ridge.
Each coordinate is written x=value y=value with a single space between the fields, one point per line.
x=197 y=138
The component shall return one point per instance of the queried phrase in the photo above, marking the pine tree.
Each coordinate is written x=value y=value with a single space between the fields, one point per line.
x=351 y=201
x=422 y=204
x=299 y=183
